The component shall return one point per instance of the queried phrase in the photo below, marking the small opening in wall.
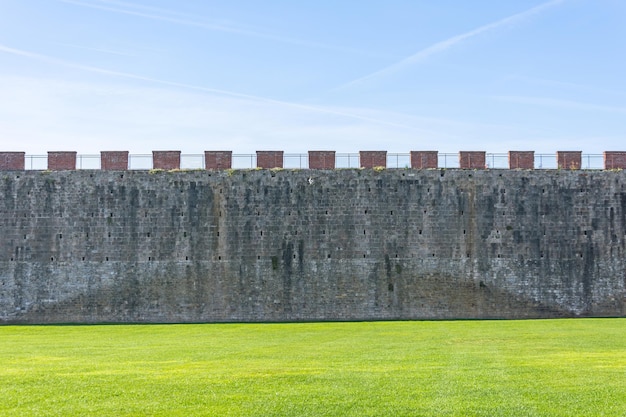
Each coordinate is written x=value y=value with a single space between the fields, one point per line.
x=149 y=258
x=329 y=256
x=186 y=258
x=295 y=233
x=184 y=234
x=433 y=255
x=541 y=255
x=121 y=175
x=221 y=191
x=87 y=235
x=498 y=255
x=364 y=255
x=109 y=234
x=323 y=232
x=258 y=257
x=148 y=234
x=468 y=254
x=294 y=256
x=258 y=213
x=218 y=233
x=585 y=232
x=396 y=255
x=261 y=232
x=462 y=212
x=365 y=211
x=83 y=258
x=391 y=212
x=424 y=211
x=463 y=231
x=219 y=258
x=326 y=211
x=363 y=231
x=543 y=191
x=420 y=231
x=106 y=258
x=60 y=236
x=11 y=258
x=111 y=215
x=111 y=191
x=52 y=258
x=369 y=189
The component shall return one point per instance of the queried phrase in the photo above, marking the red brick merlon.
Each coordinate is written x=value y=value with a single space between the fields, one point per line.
x=61 y=160
x=569 y=159
x=321 y=159
x=12 y=161
x=114 y=160
x=424 y=159
x=472 y=159
x=522 y=159
x=269 y=159
x=166 y=159
x=614 y=160
x=372 y=159
x=215 y=160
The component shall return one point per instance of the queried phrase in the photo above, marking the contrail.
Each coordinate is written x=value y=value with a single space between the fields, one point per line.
x=186 y=20
x=102 y=71
x=451 y=42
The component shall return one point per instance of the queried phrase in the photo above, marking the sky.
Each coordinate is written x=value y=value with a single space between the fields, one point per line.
x=248 y=75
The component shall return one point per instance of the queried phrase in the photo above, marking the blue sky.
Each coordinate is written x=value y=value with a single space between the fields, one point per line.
x=195 y=75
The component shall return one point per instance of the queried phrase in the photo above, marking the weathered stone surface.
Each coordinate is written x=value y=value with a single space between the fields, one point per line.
x=264 y=245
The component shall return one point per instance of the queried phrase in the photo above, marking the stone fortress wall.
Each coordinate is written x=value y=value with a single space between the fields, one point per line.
x=223 y=245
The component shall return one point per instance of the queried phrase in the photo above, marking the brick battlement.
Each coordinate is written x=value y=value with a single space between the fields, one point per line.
x=323 y=160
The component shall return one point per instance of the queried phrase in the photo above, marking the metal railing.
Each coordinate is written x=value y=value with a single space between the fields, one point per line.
x=301 y=161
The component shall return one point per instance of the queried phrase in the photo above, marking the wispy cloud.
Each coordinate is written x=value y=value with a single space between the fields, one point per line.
x=169 y=16
x=101 y=50
x=130 y=76
x=559 y=103
x=451 y=42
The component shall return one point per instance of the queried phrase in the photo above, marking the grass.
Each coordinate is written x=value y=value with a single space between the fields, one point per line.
x=462 y=368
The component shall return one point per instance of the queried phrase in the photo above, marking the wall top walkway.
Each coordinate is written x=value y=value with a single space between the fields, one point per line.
x=120 y=160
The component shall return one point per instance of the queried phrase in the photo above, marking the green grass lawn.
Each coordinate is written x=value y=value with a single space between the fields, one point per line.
x=460 y=368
